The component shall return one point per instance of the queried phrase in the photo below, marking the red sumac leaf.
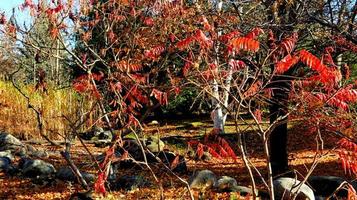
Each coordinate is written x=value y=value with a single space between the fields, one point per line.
x=229 y=36
x=254 y=33
x=286 y=63
x=199 y=150
x=99 y=185
x=175 y=162
x=160 y=96
x=236 y=64
x=213 y=152
x=244 y=43
x=183 y=44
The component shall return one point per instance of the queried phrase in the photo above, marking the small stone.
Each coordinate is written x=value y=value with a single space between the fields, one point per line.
x=5 y=163
x=154 y=144
x=244 y=191
x=203 y=179
x=226 y=184
x=32 y=152
x=7 y=154
x=154 y=123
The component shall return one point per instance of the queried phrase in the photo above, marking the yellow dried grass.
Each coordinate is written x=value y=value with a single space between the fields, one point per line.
x=16 y=118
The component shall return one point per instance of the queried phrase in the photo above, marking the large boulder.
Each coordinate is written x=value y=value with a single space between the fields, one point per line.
x=10 y=142
x=203 y=180
x=66 y=174
x=325 y=186
x=285 y=188
x=129 y=183
x=35 y=168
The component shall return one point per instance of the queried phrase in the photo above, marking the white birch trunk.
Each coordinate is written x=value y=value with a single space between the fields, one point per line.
x=218 y=115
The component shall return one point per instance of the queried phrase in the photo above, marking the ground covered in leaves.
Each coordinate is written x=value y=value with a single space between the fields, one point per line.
x=301 y=154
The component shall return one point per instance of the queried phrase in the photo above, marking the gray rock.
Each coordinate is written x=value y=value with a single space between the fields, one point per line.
x=88 y=195
x=168 y=158
x=34 y=168
x=226 y=183
x=102 y=138
x=7 y=154
x=133 y=148
x=203 y=179
x=66 y=174
x=32 y=152
x=320 y=198
x=154 y=144
x=5 y=163
x=244 y=191
x=104 y=135
x=129 y=183
x=97 y=134
x=286 y=187
x=9 y=142
x=326 y=185
x=229 y=184
x=153 y=123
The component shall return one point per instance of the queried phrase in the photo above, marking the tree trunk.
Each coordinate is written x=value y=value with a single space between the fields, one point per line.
x=278 y=137
x=281 y=86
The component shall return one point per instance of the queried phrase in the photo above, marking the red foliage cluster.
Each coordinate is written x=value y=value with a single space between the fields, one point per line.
x=326 y=75
x=253 y=89
x=28 y=4
x=99 y=185
x=154 y=52
x=286 y=63
x=217 y=146
x=84 y=84
x=198 y=37
x=57 y=9
x=227 y=37
x=124 y=66
x=245 y=43
x=160 y=96
x=236 y=64
x=183 y=44
x=288 y=44
x=341 y=42
x=340 y=99
x=2 y=19
x=254 y=33
x=348 y=154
